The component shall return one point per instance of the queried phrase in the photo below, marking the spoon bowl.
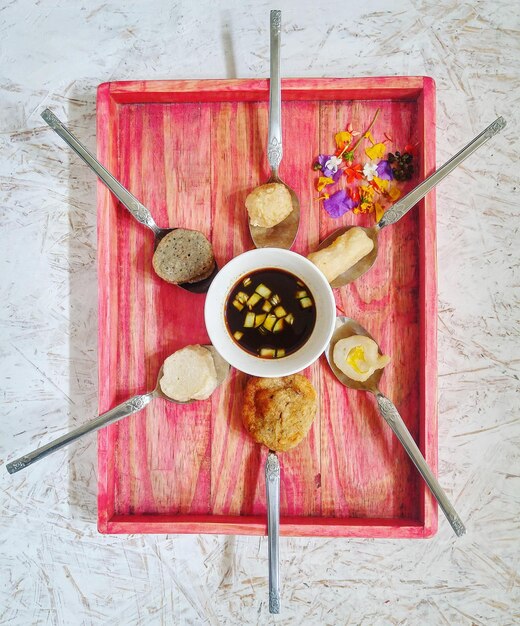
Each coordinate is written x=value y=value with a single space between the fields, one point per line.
x=283 y=234
x=128 y=200
x=133 y=405
x=346 y=327
x=402 y=206
x=363 y=265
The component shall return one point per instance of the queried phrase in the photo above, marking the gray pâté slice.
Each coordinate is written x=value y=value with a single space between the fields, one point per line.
x=183 y=256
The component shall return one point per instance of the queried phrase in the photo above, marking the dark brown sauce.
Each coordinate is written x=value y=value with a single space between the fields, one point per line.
x=285 y=285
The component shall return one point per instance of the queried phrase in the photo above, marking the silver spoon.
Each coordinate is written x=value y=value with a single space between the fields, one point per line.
x=346 y=327
x=272 y=486
x=138 y=210
x=133 y=405
x=401 y=207
x=283 y=234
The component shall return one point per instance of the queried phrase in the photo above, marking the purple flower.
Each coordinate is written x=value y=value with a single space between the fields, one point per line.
x=323 y=159
x=339 y=203
x=384 y=171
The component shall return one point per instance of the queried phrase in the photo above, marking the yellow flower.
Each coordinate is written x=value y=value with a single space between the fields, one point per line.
x=376 y=151
x=379 y=211
x=394 y=192
x=342 y=139
x=381 y=183
x=369 y=136
x=323 y=181
x=367 y=193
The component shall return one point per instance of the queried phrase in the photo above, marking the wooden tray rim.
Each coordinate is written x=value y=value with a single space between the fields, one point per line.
x=404 y=88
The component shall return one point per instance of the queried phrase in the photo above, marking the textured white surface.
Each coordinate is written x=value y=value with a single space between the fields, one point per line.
x=54 y=567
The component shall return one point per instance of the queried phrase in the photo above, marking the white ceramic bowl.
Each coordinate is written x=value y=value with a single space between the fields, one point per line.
x=239 y=267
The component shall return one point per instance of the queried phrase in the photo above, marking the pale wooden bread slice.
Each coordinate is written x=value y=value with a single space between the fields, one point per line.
x=189 y=374
x=183 y=256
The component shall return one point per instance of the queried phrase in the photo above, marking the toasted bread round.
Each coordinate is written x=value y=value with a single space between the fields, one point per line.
x=183 y=256
x=189 y=374
x=278 y=412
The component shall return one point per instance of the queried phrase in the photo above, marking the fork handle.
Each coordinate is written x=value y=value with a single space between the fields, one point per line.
x=122 y=410
x=391 y=415
x=138 y=210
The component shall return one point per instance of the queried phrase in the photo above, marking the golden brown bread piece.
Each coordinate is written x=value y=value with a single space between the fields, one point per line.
x=278 y=412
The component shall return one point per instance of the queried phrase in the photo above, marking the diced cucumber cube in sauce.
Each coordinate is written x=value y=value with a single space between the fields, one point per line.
x=280 y=311
x=254 y=299
x=270 y=321
x=264 y=291
x=259 y=319
x=278 y=326
x=306 y=303
x=249 y=322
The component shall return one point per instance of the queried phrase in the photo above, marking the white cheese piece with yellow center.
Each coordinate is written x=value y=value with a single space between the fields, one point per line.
x=358 y=357
x=189 y=374
x=343 y=253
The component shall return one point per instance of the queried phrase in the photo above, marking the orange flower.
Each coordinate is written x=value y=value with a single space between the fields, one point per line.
x=354 y=172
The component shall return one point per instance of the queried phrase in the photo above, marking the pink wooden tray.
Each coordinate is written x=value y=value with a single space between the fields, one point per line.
x=191 y=151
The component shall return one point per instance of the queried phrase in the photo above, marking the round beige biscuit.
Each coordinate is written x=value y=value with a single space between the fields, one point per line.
x=189 y=374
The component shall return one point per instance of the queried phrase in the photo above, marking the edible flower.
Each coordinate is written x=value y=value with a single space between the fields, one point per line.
x=342 y=139
x=323 y=181
x=339 y=203
x=370 y=170
x=394 y=193
x=376 y=151
x=326 y=159
x=372 y=185
x=380 y=184
x=333 y=163
x=354 y=172
x=384 y=170
x=366 y=193
x=379 y=211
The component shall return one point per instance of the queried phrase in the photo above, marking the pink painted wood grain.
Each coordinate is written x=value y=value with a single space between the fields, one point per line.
x=191 y=151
